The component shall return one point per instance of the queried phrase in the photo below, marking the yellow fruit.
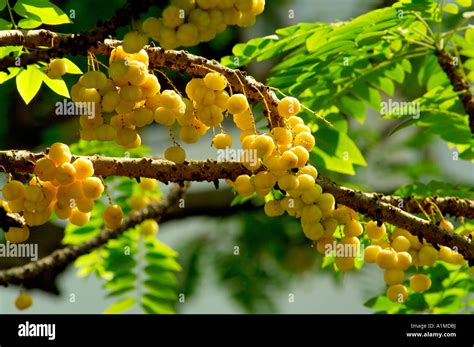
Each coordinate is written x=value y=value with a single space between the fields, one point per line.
x=397 y=293
x=446 y=225
x=264 y=146
x=330 y=226
x=222 y=141
x=313 y=231
x=394 y=276
x=188 y=134
x=56 y=68
x=294 y=121
x=288 y=160
x=370 y=253
x=306 y=182
x=65 y=174
x=353 y=228
x=311 y=214
x=23 y=301
x=62 y=212
x=175 y=154
x=237 y=103
x=92 y=188
x=427 y=255
x=404 y=261
x=137 y=202
x=326 y=203
x=79 y=218
x=419 y=283
x=244 y=120
x=288 y=182
x=282 y=136
x=45 y=169
x=401 y=244
x=273 y=208
x=288 y=106
x=59 y=153
x=113 y=216
x=164 y=116
x=17 y=235
x=345 y=264
x=126 y=137
x=387 y=259
x=13 y=190
x=264 y=180
x=215 y=81
x=325 y=245
x=149 y=227
x=373 y=231
x=84 y=205
x=172 y=17
x=300 y=128
x=147 y=183
x=134 y=41
x=306 y=140
x=93 y=79
x=84 y=168
x=33 y=193
x=244 y=185
x=142 y=117
x=303 y=157
x=311 y=196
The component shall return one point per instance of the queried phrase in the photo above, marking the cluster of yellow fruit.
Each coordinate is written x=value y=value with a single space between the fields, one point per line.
x=67 y=188
x=394 y=253
x=402 y=250
x=189 y=22
x=127 y=99
x=139 y=200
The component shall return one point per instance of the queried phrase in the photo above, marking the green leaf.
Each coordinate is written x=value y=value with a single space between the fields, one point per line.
x=340 y=145
x=121 y=306
x=5 y=25
x=120 y=291
x=464 y=3
x=13 y=71
x=3 y=4
x=56 y=85
x=154 y=305
x=451 y=8
x=352 y=107
x=28 y=82
x=44 y=10
x=29 y=23
x=380 y=303
x=71 y=67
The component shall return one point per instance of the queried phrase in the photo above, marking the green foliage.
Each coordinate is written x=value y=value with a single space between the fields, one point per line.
x=436 y=188
x=340 y=69
x=38 y=12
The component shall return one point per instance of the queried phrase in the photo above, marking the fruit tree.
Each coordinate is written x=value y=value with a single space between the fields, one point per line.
x=293 y=147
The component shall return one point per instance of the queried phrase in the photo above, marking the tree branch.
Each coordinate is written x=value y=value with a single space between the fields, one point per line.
x=61 y=44
x=459 y=84
x=68 y=254
x=373 y=205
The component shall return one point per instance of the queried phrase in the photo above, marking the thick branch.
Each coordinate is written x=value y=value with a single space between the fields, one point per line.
x=75 y=44
x=197 y=66
x=68 y=254
x=459 y=84
x=374 y=207
x=180 y=61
